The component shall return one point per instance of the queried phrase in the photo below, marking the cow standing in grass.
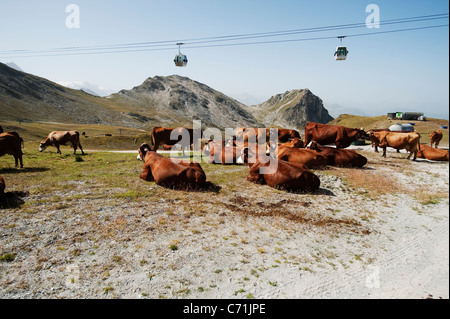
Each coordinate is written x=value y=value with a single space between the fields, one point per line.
x=326 y=134
x=182 y=136
x=11 y=143
x=435 y=138
x=288 y=176
x=57 y=138
x=409 y=141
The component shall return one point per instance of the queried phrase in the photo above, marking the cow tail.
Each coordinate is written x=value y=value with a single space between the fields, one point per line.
x=153 y=136
x=418 y=146
x=22 y=142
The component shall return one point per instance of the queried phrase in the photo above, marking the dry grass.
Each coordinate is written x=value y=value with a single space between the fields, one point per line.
x=427 y=197
x=371 y=183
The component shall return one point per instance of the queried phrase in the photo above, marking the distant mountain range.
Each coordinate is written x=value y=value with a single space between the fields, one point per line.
x=159 y=101
x=86 y=87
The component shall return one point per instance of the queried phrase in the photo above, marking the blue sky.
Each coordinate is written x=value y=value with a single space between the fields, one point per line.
x=400 y=71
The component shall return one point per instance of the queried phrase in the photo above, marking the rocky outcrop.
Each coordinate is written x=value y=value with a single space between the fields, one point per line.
x=180 y=100
x=291 y=109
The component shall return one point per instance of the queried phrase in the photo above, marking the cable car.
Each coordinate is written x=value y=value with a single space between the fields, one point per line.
x=341 y=51
x=180 y=59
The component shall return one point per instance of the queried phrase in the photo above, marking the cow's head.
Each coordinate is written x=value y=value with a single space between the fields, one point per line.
x=372 y=136
x=297 y=142
x=435 y=134
x=142 y=151
x=363 y=134
x=312 y=145
x=271 y=148
x=42 y=146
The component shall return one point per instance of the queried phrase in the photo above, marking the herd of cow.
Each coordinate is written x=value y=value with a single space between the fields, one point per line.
x=293 y=157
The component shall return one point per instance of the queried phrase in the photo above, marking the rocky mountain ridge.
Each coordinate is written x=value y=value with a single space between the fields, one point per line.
x=291 y=109
x=176 y=99
x=159 y=101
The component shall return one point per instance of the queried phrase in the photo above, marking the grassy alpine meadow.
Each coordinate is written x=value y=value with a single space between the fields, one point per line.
x=53 y=177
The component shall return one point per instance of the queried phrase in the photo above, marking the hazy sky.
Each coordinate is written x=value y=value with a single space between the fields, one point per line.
x=384 y=72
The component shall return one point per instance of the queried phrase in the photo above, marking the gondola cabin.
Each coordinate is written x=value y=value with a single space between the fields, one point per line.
x=180 y=60
x=341 y=53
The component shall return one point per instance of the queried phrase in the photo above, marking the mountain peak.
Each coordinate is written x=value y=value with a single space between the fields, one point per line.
x=180 y=100
x=292 y=109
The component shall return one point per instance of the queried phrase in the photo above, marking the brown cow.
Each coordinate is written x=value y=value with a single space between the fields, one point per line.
x=288 y=176
x=325 y=134
x=170 y=147
x=338 y=156
x=255 y=135
x=161 y=135
x=295 y=142
x=382 y=130
x=262 y=135
x=409 y=141
x=226 y=152
x=219 y=153
x=11 y=143
x=433 y=154
x=167 y=173
x=2 y=187
x=253 y=153
x=435 y=138
x=284 y=135
x=57 y=138
x=309 y=158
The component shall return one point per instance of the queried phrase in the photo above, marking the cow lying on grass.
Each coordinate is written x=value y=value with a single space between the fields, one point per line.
x=219 y=153
x=168 y=173
x=288 y=176
x=339 y=156
x=431 y=153
x=310 y=158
